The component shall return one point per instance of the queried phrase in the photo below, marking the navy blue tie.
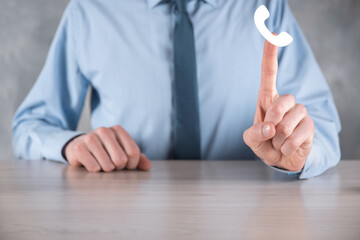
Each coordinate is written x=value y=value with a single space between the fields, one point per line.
x=186 y=100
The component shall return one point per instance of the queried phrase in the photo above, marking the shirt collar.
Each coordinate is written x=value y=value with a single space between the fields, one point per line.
x=153 y=3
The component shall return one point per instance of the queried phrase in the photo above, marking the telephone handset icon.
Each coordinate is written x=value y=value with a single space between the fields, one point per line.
x=261 y=14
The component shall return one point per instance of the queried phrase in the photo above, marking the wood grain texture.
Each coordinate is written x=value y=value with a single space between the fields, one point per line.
x=177 y=200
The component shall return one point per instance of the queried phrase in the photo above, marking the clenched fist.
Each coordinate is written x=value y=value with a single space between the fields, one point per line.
x=283 y=132
x=106 y=149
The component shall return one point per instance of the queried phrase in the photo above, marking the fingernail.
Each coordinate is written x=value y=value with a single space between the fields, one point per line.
x=266 y=131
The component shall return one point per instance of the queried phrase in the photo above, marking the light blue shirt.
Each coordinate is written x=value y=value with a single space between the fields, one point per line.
x=123 y=50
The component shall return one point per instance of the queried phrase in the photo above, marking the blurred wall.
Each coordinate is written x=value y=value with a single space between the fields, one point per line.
x=27 y=28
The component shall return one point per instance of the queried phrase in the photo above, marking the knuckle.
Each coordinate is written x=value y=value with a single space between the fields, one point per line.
x=102 y=131
x=292 y=144
x=134 y=152
x=79 y=146
x=90 y=139
x=120 y=163
x=80 y=149
x=119 y=160
x=310 y=121
x=117 y=128
x=289 y=98
x=302 y=109
x=284 y=130
x=276 y=109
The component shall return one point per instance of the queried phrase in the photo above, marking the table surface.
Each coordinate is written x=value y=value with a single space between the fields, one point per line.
x=177 y=200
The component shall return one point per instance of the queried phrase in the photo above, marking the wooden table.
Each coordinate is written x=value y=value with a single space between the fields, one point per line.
x=177 y=200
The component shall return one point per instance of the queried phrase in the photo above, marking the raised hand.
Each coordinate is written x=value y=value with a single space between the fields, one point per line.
x=106 y=149
x=283 y=132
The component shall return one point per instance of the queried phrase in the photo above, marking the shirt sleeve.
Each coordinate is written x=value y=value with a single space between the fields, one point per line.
x=299 y=74
x=48 y=117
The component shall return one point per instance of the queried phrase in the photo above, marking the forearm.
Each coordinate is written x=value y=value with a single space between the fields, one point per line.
x=48 y=117
x=35 y=139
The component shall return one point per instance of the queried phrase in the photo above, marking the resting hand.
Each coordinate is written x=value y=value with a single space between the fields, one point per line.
x=106 y=149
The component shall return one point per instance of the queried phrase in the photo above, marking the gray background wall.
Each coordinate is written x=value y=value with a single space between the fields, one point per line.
x=27 y=28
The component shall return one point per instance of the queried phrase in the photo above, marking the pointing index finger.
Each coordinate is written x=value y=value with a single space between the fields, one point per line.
x=269 y=69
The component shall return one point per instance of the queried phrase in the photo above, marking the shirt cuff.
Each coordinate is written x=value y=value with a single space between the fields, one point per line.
x=282 y=170
x=54 y=143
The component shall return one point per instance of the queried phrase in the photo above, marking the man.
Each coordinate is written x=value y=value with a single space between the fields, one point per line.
x=179 y=79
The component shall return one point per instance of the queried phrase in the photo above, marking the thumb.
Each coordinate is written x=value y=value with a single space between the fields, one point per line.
x=259 y=133
x=144 y=163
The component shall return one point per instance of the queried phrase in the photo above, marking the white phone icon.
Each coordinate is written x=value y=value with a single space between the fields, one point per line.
x=261 y=14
